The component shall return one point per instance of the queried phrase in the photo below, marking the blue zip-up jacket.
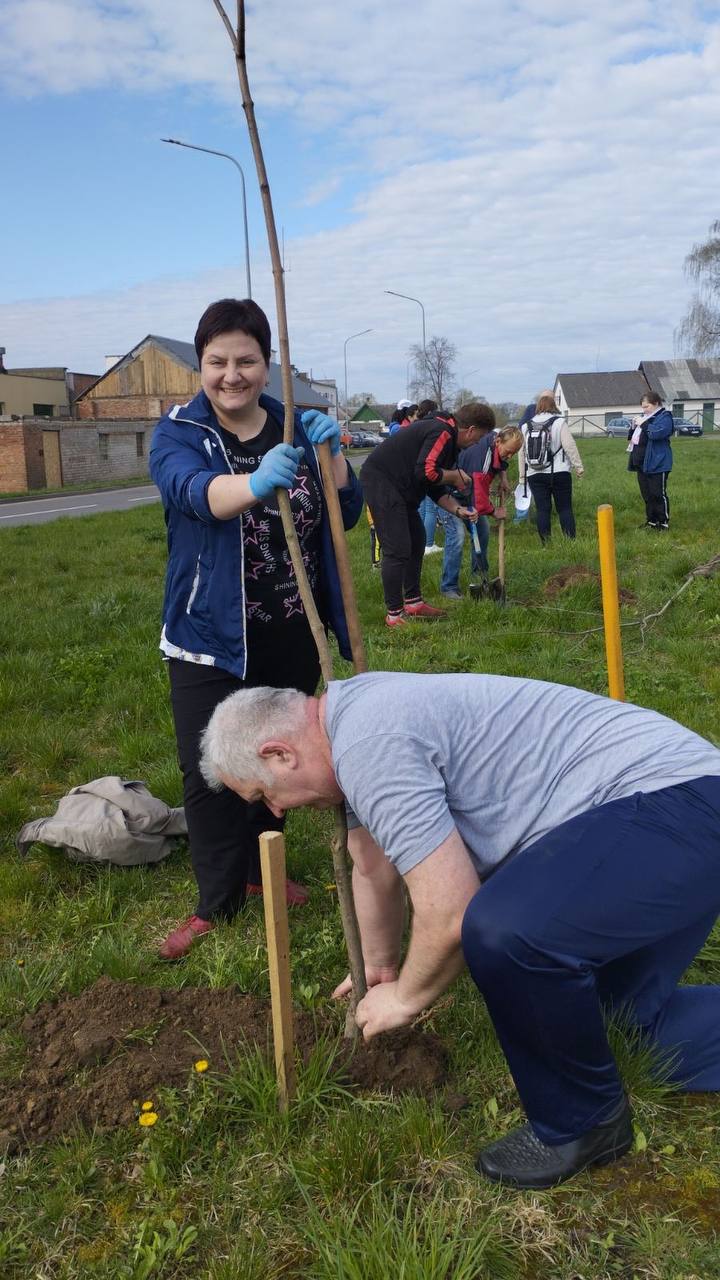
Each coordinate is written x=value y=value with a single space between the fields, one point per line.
x=204 y=609
x=658 y=454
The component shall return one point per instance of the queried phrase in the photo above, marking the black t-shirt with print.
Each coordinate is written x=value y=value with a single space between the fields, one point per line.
x=271 y=591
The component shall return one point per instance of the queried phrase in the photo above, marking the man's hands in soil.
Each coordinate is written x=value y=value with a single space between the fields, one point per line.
x=373 y=976
x=382 y=1010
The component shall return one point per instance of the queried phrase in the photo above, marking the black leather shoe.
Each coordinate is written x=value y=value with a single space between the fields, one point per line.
x=522 y=1160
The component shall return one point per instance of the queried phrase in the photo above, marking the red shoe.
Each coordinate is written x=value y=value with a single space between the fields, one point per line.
x=296 y=895
x=395 y=620
x=179 y=942
x=422 y=610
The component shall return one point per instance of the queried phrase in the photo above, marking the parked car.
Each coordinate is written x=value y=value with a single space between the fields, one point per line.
x=684 y=427
x=363 y=439
x=619 y=426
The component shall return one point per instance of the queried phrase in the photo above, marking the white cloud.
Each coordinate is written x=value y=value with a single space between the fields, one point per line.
x=534 y=173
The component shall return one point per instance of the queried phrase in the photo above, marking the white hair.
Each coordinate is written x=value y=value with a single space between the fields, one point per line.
x=238 y=727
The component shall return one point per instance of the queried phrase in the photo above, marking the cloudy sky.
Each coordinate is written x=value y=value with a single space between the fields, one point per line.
x=533 y=171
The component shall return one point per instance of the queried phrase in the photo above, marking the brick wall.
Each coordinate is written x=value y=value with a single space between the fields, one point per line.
x=13 y=472
x=123 y=407
x=106 y=451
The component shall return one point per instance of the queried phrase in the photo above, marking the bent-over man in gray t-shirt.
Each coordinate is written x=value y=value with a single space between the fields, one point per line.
x=564 y=846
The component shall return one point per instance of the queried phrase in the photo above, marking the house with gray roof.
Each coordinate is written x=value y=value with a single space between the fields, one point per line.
x=690 y=388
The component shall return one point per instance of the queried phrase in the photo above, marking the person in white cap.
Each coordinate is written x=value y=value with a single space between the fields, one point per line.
x=405 y=414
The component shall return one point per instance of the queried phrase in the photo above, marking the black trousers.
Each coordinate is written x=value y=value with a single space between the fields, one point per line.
x=557 y=488
x=653 y=488
x=402 y=539
x=223 y=829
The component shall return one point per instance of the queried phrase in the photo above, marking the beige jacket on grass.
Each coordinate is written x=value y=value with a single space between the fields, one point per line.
x=108 y=820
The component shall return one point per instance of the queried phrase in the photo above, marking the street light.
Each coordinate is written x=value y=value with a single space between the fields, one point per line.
x=409 y=298
x=464 y=378
x=209 y=151
x=352 y=335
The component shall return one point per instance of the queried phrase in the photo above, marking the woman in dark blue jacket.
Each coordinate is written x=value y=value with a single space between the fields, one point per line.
x=651 y=457
x=232 y=616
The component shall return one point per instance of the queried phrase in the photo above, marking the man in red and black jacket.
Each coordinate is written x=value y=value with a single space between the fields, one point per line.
x=418 y=461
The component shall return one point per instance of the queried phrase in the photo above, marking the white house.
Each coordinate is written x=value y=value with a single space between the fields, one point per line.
x=690 y=388
x=590 y=400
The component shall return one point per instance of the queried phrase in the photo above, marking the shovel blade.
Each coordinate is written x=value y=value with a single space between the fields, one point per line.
x=497 y=590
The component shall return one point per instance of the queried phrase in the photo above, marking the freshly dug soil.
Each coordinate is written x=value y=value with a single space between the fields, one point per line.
x=573 y=576
x=94 y=1057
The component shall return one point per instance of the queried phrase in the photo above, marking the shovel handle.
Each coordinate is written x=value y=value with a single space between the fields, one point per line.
x=501 y=551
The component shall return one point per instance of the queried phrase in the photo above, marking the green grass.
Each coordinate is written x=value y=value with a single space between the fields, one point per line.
x=343 y=1188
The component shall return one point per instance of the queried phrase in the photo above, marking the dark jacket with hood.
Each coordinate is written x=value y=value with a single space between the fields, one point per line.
x=413 y=459
x=204 y=609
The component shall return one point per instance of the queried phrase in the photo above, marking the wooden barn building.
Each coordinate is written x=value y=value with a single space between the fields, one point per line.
x=158 y=373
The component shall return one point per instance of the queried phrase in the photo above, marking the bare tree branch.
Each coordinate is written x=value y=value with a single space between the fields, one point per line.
x=226 y=23
x=340 y=841
x=699 y=331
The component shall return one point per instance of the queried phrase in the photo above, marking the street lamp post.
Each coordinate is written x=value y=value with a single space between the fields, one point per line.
x=464 y=378
x=409 y=298
x=209 y=151
x=352 y=335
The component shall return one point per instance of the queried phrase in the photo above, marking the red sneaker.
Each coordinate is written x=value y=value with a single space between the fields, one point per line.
x=395 y=619
x=296 y=895
x=179 y=942
x=422 y=610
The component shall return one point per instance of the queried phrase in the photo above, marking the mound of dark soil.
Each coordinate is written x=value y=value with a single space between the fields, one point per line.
x=575 y=575
x=95 y=1056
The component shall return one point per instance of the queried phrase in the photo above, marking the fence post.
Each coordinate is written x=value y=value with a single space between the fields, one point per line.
x=611 y=602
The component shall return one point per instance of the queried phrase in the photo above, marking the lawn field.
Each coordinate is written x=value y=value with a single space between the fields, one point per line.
x=347 y=1186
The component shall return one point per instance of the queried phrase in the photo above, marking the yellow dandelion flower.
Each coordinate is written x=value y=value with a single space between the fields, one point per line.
x=148 y=1106
x=330 y=888
x=147 y=1118
x=201 y=1065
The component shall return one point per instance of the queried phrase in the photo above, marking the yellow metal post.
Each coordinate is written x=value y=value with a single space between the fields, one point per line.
x=611 y=602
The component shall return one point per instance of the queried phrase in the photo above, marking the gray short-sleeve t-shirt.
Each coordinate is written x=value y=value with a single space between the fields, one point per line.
x=503 y=759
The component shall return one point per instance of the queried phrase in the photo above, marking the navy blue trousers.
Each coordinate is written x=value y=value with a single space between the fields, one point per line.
x=602 y=915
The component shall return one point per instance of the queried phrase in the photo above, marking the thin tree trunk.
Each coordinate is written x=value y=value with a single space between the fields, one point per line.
x=339 y=841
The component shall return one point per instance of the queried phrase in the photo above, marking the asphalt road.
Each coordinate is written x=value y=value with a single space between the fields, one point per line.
x=41 y=510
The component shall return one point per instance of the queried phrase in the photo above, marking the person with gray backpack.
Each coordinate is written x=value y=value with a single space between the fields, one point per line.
x=548 y=457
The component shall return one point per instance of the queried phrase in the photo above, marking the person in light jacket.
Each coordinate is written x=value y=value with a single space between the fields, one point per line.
x=232 y=616
x=552 y=480
x=651 y=457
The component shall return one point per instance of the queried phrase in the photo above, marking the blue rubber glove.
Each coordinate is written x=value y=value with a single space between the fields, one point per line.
x=277 y=470
x=320 y=428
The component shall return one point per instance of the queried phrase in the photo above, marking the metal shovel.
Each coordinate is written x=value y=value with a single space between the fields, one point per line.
x=496 y=588
x=478 y=590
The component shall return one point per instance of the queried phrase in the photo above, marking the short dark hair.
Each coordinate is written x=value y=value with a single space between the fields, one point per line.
x=426 y=408
x=230 y=315
x=652 y=397
x=476 y=414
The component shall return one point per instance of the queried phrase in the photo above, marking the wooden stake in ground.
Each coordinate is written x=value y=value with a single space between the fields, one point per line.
x=339 y=844
x=610 y=602
x=272 y=865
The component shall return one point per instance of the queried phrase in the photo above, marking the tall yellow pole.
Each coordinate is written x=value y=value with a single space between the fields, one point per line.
x=611 y=602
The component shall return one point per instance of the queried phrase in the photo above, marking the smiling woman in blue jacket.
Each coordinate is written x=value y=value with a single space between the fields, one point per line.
x=232 y=616
x=651 y=457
